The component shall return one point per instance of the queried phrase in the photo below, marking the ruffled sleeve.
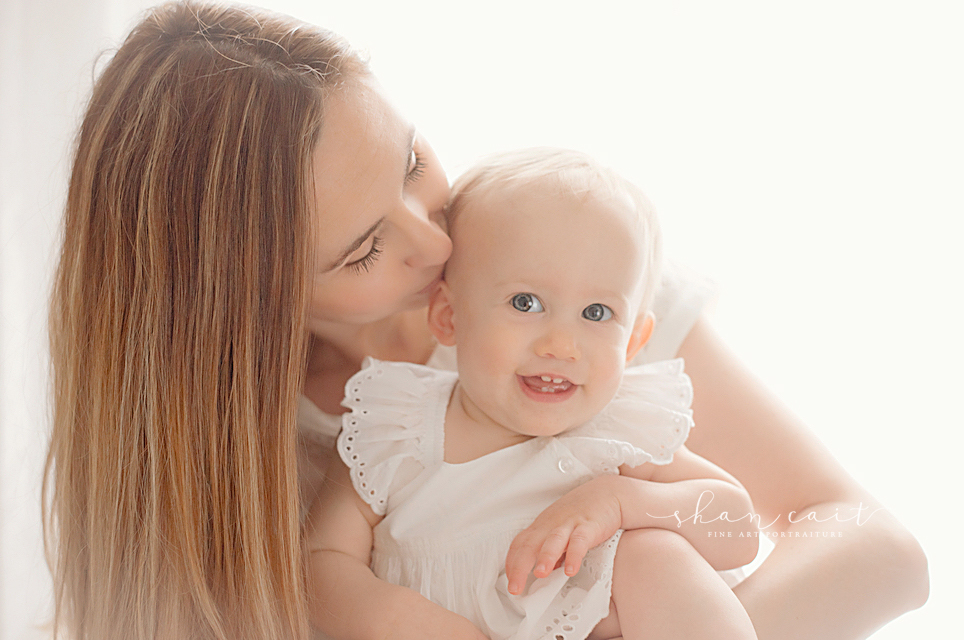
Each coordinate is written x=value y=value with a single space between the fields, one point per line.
x=394 y=428
x=647 y=420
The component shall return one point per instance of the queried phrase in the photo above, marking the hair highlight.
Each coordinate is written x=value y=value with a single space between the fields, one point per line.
x=178 y=331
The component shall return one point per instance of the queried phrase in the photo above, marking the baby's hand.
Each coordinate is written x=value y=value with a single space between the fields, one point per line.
x=575 y=523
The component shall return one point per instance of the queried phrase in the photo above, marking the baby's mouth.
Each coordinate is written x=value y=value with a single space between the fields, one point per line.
x=547 y=384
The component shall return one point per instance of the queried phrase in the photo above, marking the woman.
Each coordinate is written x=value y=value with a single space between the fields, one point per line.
x=244 y=201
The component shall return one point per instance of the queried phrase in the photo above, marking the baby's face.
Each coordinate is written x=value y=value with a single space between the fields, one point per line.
x=544 y=291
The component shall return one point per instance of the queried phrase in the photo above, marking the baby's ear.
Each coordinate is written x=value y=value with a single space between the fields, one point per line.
x=642 y=330
x=441 y=316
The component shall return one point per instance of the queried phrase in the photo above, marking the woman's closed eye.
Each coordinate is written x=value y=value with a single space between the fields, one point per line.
x=365 y=263
x=416 y=167
x=527 y=303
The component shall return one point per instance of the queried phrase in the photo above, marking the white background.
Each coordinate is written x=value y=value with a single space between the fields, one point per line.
x=809 y=157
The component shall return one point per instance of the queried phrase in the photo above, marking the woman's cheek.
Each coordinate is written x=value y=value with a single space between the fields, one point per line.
x=350 y=302
x=377 y=300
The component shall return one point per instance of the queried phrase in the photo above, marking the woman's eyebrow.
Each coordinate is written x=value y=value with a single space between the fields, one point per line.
x=357 y=242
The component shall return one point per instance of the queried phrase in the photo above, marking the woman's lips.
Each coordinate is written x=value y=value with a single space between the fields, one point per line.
x=547 y=387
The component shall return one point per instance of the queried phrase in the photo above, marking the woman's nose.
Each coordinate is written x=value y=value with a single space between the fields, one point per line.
x=430 y=245
x=558 y=343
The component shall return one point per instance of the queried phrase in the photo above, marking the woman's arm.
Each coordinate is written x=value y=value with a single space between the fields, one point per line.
x=842 y=587
x=346 y=600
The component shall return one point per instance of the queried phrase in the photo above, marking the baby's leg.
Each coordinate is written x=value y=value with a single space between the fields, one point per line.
x=663 y=588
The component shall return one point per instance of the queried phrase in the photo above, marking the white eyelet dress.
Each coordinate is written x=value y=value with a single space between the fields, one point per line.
x=447 y=527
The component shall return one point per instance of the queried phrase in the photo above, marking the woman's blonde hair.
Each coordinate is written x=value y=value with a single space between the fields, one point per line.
x=566 y=171
x=178 y=331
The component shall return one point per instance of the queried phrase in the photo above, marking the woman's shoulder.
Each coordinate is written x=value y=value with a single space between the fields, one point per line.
x=315 y=424
x=682 y=296
x=443 y=358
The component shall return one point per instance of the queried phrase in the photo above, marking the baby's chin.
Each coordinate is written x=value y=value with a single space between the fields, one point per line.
x=549 y=427
x=555 y=413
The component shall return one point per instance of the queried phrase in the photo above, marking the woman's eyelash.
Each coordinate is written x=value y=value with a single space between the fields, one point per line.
x=365 y=263
x=417 y=170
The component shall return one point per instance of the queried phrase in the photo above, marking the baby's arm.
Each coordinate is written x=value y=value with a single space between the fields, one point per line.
x=665 y=497
x=347 y=600
x=701 y=502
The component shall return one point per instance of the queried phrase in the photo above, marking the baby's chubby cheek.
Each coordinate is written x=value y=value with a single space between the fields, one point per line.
x=606 y=382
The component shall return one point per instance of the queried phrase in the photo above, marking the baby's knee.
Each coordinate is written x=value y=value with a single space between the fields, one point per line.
x=659 y=553
x=653 y=545
x=660 y=578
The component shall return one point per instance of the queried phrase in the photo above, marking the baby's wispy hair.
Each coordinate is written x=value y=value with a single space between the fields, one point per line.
x=569 y=172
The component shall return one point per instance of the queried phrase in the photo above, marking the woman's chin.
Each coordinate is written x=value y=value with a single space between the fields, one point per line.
x=432 y=286
x=419 y=300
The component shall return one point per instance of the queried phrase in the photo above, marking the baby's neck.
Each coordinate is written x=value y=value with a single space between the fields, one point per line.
x=471 y=434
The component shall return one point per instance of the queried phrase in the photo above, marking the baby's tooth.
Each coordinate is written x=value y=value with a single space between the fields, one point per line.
x=546 y=379
x=557 y=380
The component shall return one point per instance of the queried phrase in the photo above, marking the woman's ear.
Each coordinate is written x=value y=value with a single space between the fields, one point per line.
x=642 y=330
x=441 y=316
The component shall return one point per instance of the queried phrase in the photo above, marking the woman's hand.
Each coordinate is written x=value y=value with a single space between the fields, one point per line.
x=585 y=517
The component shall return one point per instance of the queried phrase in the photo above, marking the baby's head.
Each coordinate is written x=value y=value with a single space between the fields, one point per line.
x=555 y=261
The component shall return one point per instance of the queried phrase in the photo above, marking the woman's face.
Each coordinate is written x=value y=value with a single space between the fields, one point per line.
x=379 y=191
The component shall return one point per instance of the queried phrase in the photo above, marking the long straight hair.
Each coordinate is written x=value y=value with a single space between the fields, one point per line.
x=178 y=331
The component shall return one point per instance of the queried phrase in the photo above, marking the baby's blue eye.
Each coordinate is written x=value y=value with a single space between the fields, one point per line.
x=527 y=303
x=597 y=312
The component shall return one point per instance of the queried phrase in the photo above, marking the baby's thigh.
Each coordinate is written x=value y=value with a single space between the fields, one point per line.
x=647 y=560
x=663 y=588
x=647 y=555
x=608 y=627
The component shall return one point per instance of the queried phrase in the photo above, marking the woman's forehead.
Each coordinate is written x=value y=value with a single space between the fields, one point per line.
x=361 y=132
x=359 y=163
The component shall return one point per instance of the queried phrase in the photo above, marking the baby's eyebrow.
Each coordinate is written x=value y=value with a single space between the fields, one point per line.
x=357 y=242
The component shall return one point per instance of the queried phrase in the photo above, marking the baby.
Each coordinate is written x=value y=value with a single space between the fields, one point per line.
x=555 y=262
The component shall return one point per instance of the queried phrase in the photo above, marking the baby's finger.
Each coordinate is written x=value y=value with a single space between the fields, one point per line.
x=580 y=542
x=520 y=559
x=552 y=549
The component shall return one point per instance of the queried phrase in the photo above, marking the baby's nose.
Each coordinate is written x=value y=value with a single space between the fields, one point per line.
x=558 y=343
